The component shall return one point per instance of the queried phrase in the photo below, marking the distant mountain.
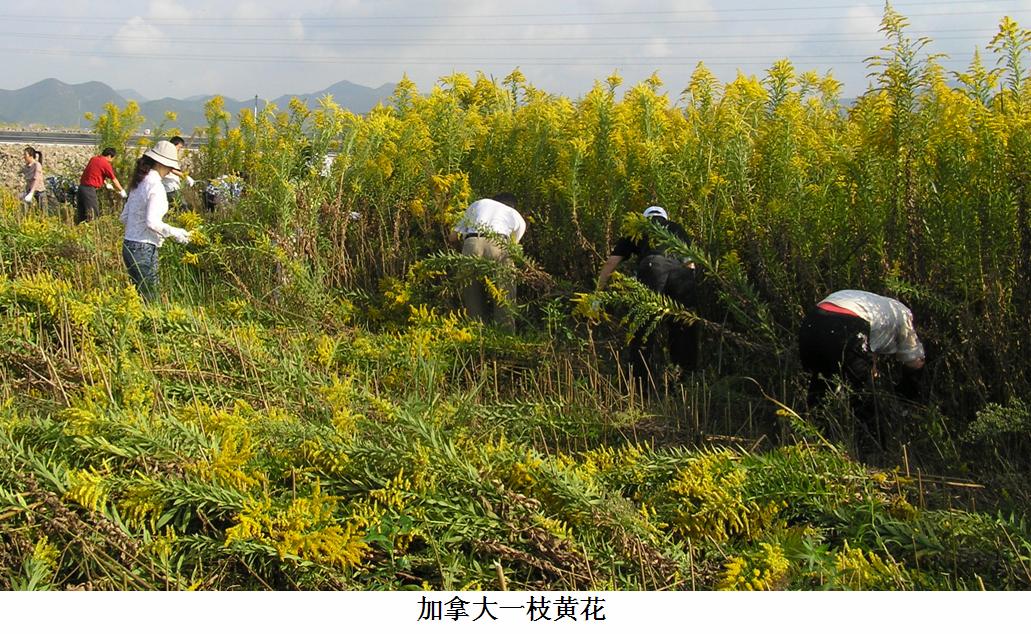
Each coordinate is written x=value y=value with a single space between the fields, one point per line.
x=131 y=95
x=351 y=96
x=189 y=114
x=57 y=104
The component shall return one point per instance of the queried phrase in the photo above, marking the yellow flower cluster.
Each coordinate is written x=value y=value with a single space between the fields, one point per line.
x=607 y=459
x=439 y=327
x=766 y=569
x=340 y=396
x=40 y=230
x=555 y=527
x=229 y=460
x=709 y=502
x=80 y=420
x=451 y=194
x=306 y=529
x=325 y=350
x=394 y=495
x=497 y=295
x=236 y=307
x=323 y=460
x=46 y=553
x=87 y=488
x=190 y=220
x=227 y=464
x=141 y=503
x=162 y=545
x=588 y=306
x=36 y=289
x=523 y=474
x=859 y=570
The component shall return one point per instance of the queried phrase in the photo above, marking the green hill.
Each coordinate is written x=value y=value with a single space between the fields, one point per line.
x=57 y=104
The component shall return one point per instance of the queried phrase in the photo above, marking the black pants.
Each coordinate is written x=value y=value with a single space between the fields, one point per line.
x=671 y=278
x=86 y=205
x=832 y=344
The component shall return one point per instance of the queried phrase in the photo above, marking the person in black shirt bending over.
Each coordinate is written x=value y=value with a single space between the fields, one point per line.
x=670 y=276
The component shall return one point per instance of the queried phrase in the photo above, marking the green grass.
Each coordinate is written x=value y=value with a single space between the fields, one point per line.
x=212 y=445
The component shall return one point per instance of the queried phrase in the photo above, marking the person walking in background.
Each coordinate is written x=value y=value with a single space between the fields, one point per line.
x=98 y=170
x=143 y=217
x=846 y=334
x=673 y=277
x=173 y=181
x=484 y=230
x=35 y=187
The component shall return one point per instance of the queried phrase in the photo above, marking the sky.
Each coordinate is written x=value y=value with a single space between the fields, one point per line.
x=183 y=48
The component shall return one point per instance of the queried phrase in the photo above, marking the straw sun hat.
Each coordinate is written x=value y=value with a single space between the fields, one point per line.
x=164 y=153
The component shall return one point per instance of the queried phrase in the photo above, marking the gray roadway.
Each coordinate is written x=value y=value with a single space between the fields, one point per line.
x=54 y=138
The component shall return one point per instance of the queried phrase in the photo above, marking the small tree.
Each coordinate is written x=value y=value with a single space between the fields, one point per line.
x=116 y=128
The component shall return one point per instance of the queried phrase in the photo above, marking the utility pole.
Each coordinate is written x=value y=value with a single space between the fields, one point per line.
x=255 y=107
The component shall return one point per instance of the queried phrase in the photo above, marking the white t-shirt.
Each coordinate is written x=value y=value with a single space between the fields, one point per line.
x=144 y=211
x=891 y=323
x=490 y=215
x=171 y=183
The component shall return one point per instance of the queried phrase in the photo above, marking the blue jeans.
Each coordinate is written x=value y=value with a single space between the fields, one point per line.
x=141 y=260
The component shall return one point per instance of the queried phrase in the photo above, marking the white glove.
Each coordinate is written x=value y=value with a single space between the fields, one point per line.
x=108 y=185
x=190 y=181
x=595 y=305
x=182 y=236
x=28 y=197
x=122 y=193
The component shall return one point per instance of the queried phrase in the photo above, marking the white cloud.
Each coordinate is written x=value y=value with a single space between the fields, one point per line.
x=700 y=9
x=345 y=6
x=863 y=19
x=169 y=10
x=138 y=37
x=251 y=11
x=657 y=47
x=295 y=28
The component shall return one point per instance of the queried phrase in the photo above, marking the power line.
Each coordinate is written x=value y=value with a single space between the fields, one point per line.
x=221 y=23
x=710 y=40
x=495 y=16
x=838 y=60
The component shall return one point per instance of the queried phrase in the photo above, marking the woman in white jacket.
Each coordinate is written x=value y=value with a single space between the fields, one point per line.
x=143 y=215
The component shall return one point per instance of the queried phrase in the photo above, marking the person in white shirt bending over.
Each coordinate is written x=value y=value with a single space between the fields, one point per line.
x=486 y=226
x=846 y=334
x=172 y=181
x=143 y=217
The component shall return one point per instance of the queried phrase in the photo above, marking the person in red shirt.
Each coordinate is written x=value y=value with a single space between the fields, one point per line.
x=97 y=171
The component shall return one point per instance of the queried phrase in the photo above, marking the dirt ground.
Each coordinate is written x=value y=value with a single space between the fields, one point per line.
x=57 y=159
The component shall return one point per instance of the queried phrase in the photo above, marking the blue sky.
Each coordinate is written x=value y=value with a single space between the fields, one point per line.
x=180 y=48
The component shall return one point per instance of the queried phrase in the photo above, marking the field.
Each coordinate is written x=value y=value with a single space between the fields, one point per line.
x=307 y=407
